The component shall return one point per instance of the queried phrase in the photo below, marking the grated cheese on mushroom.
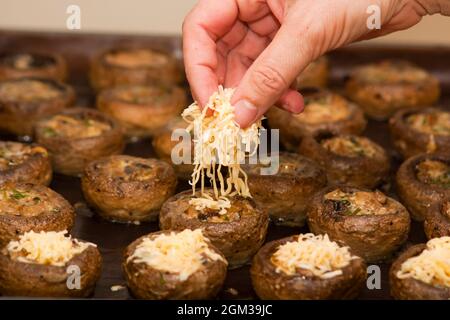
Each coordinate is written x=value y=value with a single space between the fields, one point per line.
x=432 y=266
x=318 y=254
x=49 y=248
x=182 y=253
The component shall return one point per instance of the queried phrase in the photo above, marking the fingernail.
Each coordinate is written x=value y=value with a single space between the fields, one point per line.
x=245 y=113
x=296 y=109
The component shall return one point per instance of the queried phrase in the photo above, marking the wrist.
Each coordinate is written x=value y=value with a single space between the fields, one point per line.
x=435 y=6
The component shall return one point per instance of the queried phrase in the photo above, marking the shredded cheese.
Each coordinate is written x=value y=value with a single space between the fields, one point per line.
x=49 y=248
x=182 y=253
x=207 y=202
x=432 y=266
x=318 y=254
x=219 y=142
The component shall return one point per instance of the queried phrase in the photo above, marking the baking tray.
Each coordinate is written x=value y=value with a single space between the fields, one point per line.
x=112 y=238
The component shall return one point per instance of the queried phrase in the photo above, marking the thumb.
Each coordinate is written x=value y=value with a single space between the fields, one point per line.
x=269 y=77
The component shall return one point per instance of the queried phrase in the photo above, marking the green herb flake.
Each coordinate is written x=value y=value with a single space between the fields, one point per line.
x=17 y=195
x=49 y=132
x=162 y=281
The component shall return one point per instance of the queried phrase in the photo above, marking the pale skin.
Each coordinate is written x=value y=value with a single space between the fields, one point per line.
x=260 y=46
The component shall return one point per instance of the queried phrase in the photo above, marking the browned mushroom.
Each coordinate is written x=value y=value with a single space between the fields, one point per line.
x=437 y=220
x=142 y=110
x=324 y=110
x=14 y=65
x=286 y=194
x=27 y=207
x=238 y=233
x=422 y=181
x=42 y=264
x=348 y=159
x=373 y=225
x=77 y=136
x=174 y=265
x=31 y=99
x=421 y=272
x=140 y=66
x=420 y=130
x=24 y=163
x=128 y=189
x=286 y=269
x=390 y=85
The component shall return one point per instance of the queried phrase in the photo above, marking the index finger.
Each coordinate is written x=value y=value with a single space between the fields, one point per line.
x=202 y=28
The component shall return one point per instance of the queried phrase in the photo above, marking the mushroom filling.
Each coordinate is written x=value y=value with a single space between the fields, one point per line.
x=74 y=127
x=216 y=213
x=28 y=90
x=182 y=253
x=434 y=172
x=144 y=95
x=26 y=61
x=136 y=58
x=311 y=255
x=288 y=165
x=360 y=203
x=27 y=203
x=128 y=170
x=13 y=154
x=389 y=72
x=327 y=108
x=431 y=266
x=47 y=248
x=437 y=123
x=350 y=146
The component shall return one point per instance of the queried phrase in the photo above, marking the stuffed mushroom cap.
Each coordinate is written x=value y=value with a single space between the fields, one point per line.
x=422 y=181
x=324 y=110
x=14 y=65
x=43 y=264
x=142 y=110
x=420 y=130
x=422 y=272
x=128 y=189
x=32 y=99
x=27 y=207
x=387 y=86
x=372 y=224
x=24 y=163
x=284 y=185
x=307 y=267
x=77 y=136
x=348 y=159
x=140 y=66
x=174 y=265
x=237 y=231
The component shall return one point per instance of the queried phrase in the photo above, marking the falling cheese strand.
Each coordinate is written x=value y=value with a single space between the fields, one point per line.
x=431 y=266
x=219 y=142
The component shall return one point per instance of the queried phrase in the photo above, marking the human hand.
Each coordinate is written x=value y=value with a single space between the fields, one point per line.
x=260 y=46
